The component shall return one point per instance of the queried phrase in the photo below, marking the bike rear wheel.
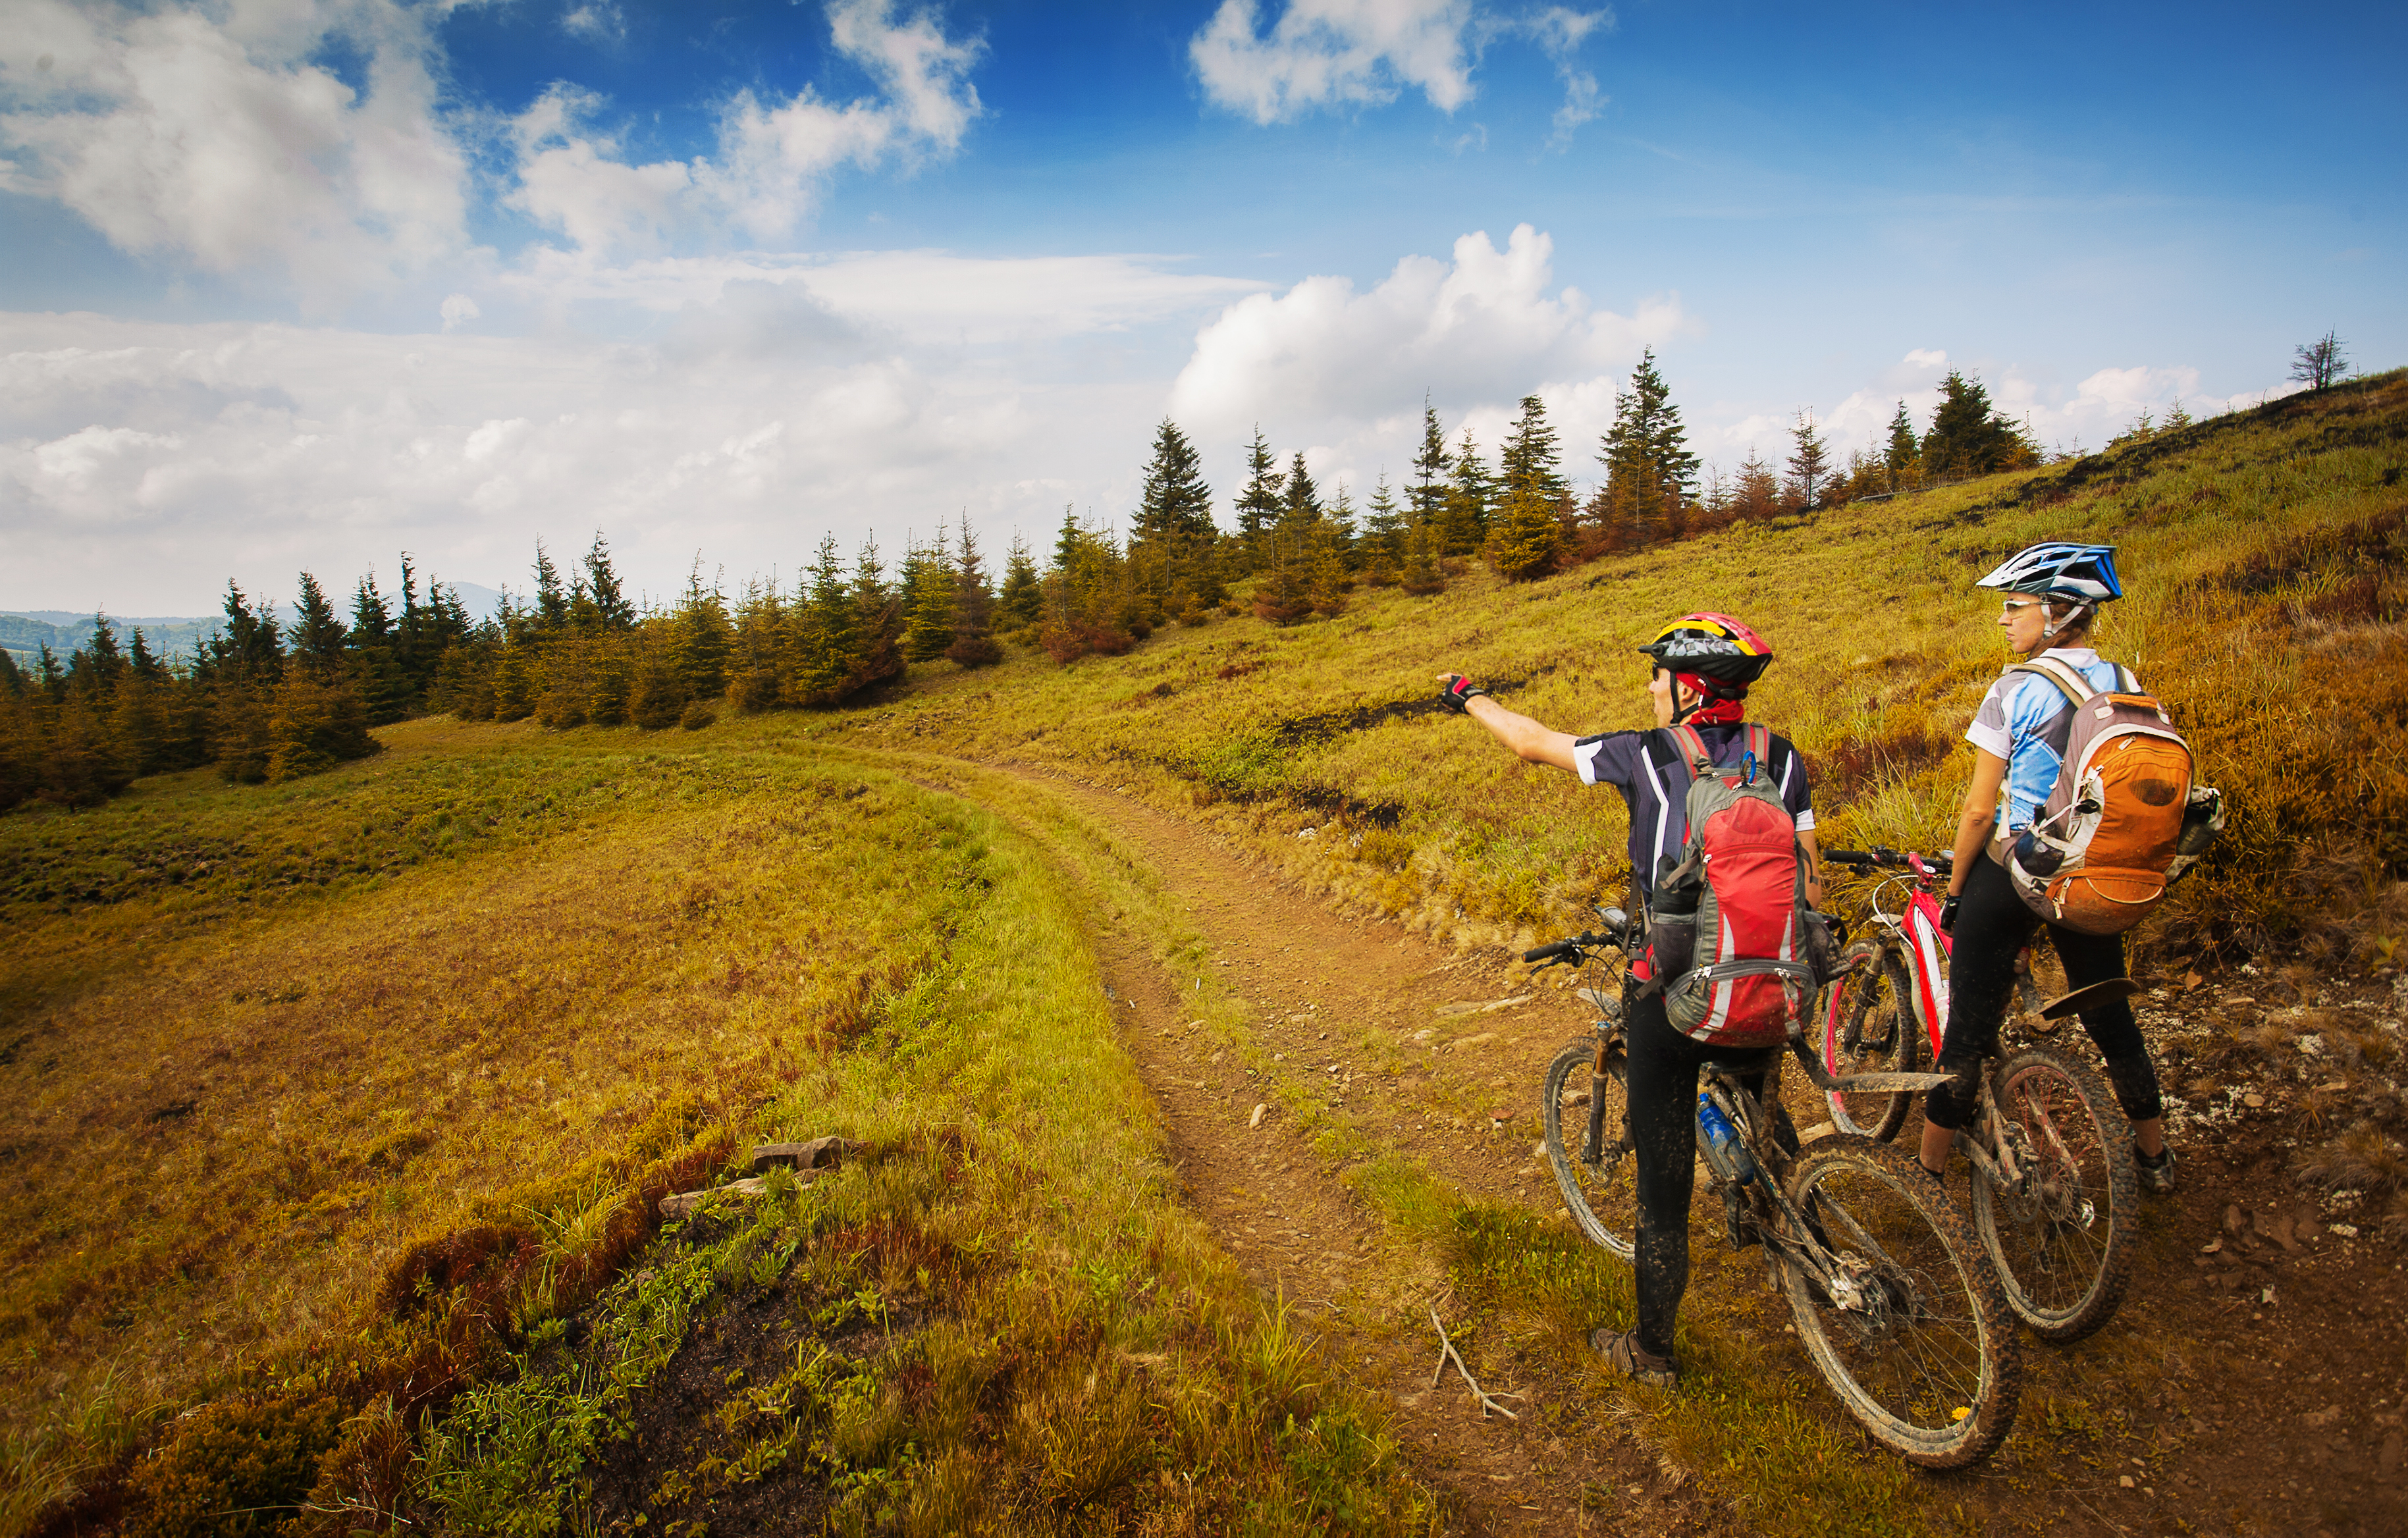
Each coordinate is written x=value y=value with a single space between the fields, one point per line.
x=1599 y=1182
x=1868 y=1028
x=1921 y=1347
x=2063 y=1245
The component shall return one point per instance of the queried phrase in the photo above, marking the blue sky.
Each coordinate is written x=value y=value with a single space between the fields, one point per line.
x=290 y=283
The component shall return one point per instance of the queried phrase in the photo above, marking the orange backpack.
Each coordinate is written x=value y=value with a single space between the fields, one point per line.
x=2124 y=819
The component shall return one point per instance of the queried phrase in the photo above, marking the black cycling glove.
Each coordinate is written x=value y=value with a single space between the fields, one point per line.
x=1948 y=914
x=1459 y=694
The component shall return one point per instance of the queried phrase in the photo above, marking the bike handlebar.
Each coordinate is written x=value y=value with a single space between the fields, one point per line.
x=1619 y=932
x=1562 y=950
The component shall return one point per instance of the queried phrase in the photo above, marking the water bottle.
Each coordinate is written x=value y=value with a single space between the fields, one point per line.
x=1724 y=1151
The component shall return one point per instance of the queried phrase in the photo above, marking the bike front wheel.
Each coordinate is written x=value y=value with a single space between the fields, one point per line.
x=2062 y=1238
x=1597 y=1174
x=1912 y=1330
x=1868 y=1028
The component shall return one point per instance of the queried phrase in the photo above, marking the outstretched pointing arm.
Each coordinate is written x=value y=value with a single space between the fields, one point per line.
x=1529 y=740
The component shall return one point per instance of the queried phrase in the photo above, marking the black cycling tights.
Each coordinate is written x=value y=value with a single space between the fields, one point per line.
x=1992 y=926
x=1663 y=1090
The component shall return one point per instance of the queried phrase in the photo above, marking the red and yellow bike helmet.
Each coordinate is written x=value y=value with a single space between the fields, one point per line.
x=1715 y=655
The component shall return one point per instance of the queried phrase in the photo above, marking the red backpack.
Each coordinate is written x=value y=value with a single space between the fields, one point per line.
x=1738 y=953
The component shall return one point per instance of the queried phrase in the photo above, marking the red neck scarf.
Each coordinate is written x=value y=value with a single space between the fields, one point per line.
x=1713 y=712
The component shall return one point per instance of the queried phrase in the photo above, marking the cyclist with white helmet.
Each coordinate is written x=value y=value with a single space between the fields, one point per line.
x=1703 y=665
x=2053 y=593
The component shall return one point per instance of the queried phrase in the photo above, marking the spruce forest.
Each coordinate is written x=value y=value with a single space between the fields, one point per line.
x=263 y=703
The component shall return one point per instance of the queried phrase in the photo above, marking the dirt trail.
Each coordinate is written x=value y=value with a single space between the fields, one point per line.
x=1310 y=977
x=2203 y=1407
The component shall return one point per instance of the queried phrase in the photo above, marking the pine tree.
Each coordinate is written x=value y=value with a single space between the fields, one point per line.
x=1899 y=458
x=758 y=661
x=251 y=648
x=704 y=638
x=1526 y=539
x=315 y=725
x=1757 y=495
x=550 y=602
x=138 y=712
x=384 y=691
x=827 y=644
x=1809 y=464
x=877 y=625
x=602 y=587
x=1968 y=437
x=317 y=636
x=1422 y=572
x=1427 y=494
x=1650 y=474
x=1175 y=505
x=1260 y=504
x=973 y=644
x=1463 y=528
x=928 y=585
x=1024 y=592
x=247 y=662
x=1382 y=545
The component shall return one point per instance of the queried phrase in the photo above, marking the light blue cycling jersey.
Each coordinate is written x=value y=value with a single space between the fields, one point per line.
x=2022 y=720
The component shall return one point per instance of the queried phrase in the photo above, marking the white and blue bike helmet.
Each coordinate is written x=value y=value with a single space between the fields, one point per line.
x=2082 y=575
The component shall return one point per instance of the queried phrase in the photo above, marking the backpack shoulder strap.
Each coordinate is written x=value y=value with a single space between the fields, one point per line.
x=1692 y=748
x=2068 y=679
x=1759 y=743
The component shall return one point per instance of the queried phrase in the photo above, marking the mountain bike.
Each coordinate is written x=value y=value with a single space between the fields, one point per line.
x=2054 y=1195
x=1891 y=1296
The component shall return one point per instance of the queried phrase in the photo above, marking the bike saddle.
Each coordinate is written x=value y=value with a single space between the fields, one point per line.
x=2096 y=994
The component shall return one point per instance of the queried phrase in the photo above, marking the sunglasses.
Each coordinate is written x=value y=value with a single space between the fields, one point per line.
x=2011 y=605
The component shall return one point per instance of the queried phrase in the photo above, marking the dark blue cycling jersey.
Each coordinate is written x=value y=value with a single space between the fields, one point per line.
x=1644 y=766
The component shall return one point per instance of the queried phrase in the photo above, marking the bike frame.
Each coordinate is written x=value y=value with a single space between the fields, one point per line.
x=1915 y=932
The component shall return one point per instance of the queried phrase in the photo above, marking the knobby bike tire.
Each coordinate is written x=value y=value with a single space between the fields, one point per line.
x=1869 y=1026
x=1931 y=1363
x=1602 y=1196
x=2063 y=1262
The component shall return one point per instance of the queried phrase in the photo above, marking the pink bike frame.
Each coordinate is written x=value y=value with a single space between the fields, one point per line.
x=1927 y=949
x=1926 y=963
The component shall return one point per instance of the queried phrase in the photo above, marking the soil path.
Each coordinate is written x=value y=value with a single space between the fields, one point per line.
x=2253 y=1386
x=1311 y=980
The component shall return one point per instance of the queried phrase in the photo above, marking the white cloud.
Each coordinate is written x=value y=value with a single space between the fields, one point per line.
x=1561 y=31
x=771 y=156
x=917 y=296
x=212 y=135
x=1484 y=328
x=600 y=21
x=1334 y=53
x=143 y=463
x=458 y=310
x=569 y=181
x=2100 y=407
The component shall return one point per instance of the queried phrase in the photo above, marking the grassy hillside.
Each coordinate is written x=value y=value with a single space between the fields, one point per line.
x=2267 y=561
x=331 y=1104
x=336 y=1103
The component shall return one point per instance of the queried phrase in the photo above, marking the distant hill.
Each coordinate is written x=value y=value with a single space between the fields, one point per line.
x=23 y=632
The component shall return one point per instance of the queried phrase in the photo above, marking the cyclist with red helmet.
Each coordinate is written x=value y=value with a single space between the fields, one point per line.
x=1703 y=666
x=2053 y=593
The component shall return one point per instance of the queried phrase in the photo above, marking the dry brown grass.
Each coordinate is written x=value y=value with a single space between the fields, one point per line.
x=221 y=1139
